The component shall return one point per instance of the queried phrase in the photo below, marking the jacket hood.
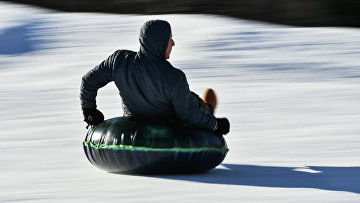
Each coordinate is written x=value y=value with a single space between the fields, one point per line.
x=154 y=38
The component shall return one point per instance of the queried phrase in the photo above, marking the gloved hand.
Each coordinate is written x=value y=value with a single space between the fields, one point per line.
x=92 y=116
x=223 y=126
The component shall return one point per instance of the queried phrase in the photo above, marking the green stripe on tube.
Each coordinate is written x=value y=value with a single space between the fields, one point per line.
x=134 y=148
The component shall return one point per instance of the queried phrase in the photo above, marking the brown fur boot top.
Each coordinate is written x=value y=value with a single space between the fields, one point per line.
x=210 y=97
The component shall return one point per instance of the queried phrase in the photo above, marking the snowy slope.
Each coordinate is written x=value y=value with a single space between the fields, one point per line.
x=292 y=96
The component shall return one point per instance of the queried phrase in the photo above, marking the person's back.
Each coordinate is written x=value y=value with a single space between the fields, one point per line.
x=148 y=84
x=145 y=84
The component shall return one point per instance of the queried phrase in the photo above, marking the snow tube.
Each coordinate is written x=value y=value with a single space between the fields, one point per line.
x=130 y=145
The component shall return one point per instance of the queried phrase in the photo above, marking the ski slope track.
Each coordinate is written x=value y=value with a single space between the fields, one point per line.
x=292 y=95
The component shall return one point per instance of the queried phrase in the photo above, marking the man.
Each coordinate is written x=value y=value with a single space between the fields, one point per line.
x=149 y=85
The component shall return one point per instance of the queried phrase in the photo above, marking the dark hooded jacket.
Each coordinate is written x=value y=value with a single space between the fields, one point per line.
x=148 y=84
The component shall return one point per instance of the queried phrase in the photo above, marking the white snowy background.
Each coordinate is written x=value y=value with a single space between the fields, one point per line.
x=292 y=96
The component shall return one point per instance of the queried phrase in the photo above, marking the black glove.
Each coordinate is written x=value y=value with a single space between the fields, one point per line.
x=223 y=126
x=92 y=116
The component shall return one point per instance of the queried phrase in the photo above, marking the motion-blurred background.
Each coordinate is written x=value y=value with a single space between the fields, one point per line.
x=291 y=94
x=291 y=12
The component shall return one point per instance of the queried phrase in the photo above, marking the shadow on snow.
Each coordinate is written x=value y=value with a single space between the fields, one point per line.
x=21 y=39
x=319 y=177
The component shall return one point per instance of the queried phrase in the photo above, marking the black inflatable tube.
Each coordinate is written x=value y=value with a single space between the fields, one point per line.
x=129 y=145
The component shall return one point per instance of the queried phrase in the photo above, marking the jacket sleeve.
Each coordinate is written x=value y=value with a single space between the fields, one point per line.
x=95 y=79
x=186 y=106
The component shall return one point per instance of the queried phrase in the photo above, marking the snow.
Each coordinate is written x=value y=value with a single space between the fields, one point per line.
x=291 y=94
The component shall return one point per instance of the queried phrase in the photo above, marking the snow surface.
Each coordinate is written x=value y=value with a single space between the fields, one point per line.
x=292 y=96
